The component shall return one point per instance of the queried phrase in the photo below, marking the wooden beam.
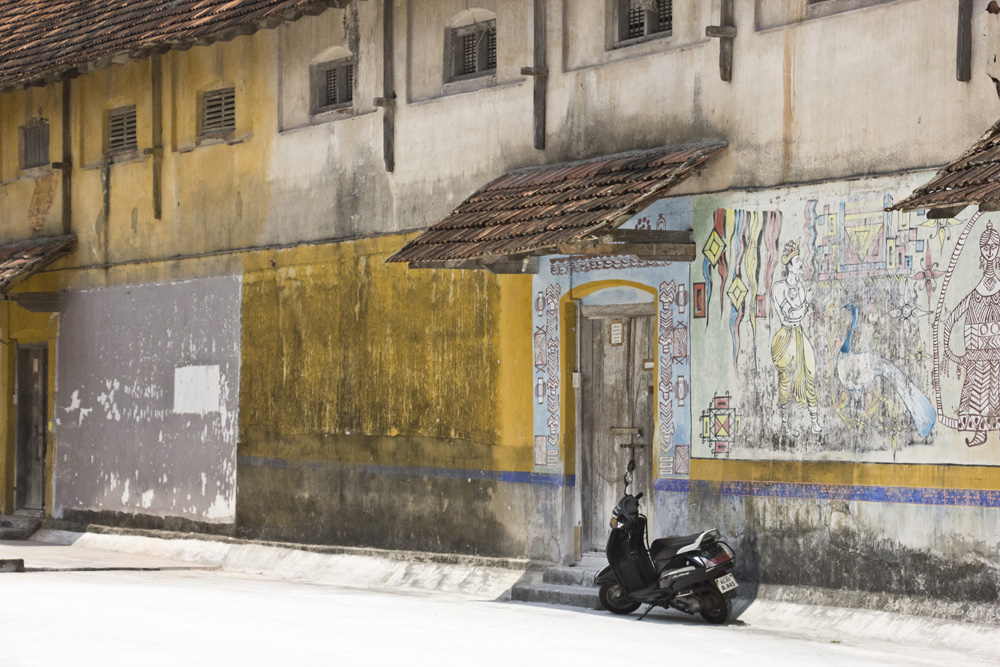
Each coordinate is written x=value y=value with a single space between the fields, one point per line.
x=945 y=212
x=668 y=252
x=963 y=60
x=648 y=236
x=541 y=73
x=513 y=265
x=725 y=32
x=388 y=87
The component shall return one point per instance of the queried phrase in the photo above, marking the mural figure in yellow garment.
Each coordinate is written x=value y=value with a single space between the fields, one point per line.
x=790 y=349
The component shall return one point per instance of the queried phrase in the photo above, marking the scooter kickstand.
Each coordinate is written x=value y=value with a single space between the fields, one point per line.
x=649 y=608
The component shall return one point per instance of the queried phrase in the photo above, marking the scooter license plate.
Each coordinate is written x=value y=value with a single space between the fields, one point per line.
x=726 y=583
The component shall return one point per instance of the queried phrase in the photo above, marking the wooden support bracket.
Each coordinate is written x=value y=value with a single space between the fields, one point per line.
x=963 y=58
x=725 y=32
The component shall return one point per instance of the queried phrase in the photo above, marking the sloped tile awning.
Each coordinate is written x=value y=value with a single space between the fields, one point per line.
x=972 y=179
x=20 y=259
x=573 y=208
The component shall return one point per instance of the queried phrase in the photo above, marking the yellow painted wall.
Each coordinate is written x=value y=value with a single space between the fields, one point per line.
x=349 y=359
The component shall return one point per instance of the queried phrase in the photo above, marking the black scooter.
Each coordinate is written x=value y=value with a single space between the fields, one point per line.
x=692 y=574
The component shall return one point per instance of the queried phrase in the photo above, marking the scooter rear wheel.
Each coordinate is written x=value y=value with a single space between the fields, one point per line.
x=613 y=599
x=722 y=607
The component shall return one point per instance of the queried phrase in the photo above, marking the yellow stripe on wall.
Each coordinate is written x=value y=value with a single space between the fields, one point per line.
x=838 y=472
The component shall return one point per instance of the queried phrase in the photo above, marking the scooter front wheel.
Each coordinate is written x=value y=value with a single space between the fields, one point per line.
x=613 y=599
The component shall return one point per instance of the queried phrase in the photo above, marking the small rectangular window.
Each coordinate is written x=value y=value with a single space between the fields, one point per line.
x=333 y=85
x=35 y=144
x=218 y=111
x=636 y=19
x=122 y=130
x=473 y=49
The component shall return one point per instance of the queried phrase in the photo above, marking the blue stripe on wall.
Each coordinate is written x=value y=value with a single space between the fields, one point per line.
x=870 y=494
x=510 y=476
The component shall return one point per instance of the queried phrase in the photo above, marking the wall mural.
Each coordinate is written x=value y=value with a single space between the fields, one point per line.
x=839 y=319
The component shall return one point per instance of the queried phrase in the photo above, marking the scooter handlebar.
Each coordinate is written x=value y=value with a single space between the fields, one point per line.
x=639 y=497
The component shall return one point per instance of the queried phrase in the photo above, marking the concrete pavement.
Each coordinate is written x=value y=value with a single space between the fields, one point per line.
x=453 y=578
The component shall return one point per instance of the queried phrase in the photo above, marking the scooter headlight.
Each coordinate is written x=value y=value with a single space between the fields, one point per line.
x=614 y=522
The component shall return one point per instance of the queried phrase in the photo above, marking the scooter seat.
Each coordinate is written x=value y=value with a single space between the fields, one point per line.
x=666 y=548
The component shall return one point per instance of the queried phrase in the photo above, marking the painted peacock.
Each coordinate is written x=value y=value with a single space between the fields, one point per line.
x=858 y=370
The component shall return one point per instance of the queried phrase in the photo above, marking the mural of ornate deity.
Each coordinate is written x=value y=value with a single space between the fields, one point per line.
x=979 y=364
x=791 y=351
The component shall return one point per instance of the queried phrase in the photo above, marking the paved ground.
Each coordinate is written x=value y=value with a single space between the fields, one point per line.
x=213 y=617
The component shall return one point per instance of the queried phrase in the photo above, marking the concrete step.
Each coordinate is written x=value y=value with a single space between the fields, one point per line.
x=593 y=560
x=570 y=575
x=571 y=596
x=18 y=527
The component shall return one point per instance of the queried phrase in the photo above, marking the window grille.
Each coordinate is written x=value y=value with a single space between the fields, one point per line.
x=333 y=85
x=635 y=19
x=474 y=49
x=469 y=53
x=218 y=111
x=35 y=144
x=491 y=49
x=664 y=15
x=122 y=130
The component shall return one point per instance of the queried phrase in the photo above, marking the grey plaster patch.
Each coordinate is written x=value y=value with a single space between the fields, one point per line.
x=126 y=442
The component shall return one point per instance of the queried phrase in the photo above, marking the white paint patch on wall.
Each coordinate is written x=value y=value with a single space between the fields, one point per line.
x=196 y=389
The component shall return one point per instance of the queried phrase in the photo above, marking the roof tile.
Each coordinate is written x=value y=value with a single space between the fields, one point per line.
x=42 y=38
x=535 y=210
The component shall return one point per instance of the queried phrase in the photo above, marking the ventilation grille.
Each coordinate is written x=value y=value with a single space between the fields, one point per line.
x=122 y=130
x=218 y=112
x=35 y=143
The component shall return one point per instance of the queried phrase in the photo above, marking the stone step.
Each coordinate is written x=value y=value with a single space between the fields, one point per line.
x=570 y=575
x=570 y=596
x=18 y=527
x=593 y=560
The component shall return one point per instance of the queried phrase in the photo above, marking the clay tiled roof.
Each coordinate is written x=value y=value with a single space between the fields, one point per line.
x=533 y=211
x=20 y=259
x=44 y=40
x=973 y=178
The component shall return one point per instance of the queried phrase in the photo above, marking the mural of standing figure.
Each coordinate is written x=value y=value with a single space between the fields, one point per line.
x=790 y=349
x=979 y=405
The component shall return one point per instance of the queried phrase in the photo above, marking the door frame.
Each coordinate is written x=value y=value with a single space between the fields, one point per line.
x=582 y=389
x=21 y=327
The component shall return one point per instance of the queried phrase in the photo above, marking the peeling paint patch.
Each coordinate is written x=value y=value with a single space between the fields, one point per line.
x=196 y=390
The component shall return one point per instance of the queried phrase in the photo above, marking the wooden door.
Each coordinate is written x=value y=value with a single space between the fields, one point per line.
x=32 y=374
x=619 y=383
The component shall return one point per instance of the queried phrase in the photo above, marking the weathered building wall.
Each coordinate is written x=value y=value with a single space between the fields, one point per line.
x=397 y=405
x=147 y=404
x=382 y=406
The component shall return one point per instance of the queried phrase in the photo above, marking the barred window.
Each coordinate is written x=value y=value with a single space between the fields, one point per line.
x=122 y=130
x=35 y=144
x=218 y=111
x=635 y=19
x=332 y=85
x=473 y=50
